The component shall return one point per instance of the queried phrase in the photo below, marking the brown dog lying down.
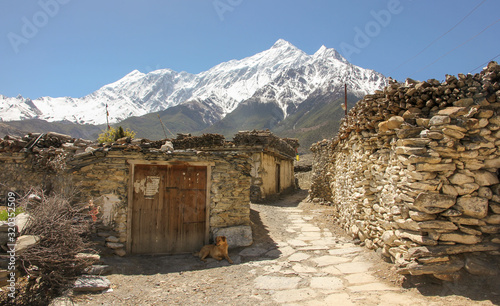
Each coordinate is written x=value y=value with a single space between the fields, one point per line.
x=217 y=251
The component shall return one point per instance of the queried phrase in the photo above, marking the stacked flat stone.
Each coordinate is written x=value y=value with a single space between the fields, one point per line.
x=413 y=173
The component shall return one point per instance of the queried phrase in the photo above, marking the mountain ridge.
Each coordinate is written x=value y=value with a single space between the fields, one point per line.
x=283 y=75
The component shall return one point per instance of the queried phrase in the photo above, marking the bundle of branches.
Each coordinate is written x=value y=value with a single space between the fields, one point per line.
x=64 y=230
x=266 y=139
x=191 y=142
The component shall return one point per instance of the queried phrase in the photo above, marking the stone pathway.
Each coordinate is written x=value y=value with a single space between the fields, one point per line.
x=316 y=268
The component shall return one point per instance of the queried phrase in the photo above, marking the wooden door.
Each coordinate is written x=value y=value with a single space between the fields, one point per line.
x=278 y=178
x=168 y=209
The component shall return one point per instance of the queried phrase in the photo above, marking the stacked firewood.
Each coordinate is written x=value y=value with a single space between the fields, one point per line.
x=37 y=141
x=266 y=139
x=413 y=100
x=184 y=142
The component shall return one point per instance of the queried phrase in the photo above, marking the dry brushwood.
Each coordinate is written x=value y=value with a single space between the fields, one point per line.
x=63 y=229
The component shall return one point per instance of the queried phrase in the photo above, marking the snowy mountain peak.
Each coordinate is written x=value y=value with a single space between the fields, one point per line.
x=281 y=43
x=325 y=52
x=283 y=74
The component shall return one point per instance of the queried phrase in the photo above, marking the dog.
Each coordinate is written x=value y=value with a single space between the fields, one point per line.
x=217 y=251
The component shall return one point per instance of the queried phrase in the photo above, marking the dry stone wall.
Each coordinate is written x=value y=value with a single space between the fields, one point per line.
x=413 y=173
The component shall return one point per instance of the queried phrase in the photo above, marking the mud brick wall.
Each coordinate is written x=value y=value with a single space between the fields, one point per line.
x=413 y=173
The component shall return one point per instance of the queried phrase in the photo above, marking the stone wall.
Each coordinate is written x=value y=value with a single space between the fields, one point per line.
x=413 y=173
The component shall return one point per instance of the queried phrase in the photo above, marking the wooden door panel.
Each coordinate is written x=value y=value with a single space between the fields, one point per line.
x=168 y=209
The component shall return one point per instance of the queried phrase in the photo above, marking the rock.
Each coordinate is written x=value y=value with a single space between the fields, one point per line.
x=25 y=241
x=495 y=207
x=120 y=252
x=460 y=238
x=475 y=207
x=467 y=221
x=485 y=192
x=492 y=163
x=88 y=256
x=453 y=133
x=394 y=122
x=449 y=190
x=62 y=301
x=449 y=277
x=479 y=266
x=112 y=239
x=421 y=216
x=466 y=188
x=115 y=245
x=167 y=147
x=439 y=120
x=432 y=203
x=409 y=132
x=436 y=167
x=485 y=178
x=99 y=270
x=416 y=237
x=464 y=102
x=408 y=225
x=91 y=283
x=461 y=179
x=451 y=266
x=437 y=225
x=388 y=237
x=453 y=112
x=433 y=135
x=493 y=219
x=21 y=221
x=103 y=234
x=451 y=213
x=490 y=229
x=237 y=236
x=435 y=251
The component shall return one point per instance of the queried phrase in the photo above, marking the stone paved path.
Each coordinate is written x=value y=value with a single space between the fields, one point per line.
x=316 y=268
x=294 y=261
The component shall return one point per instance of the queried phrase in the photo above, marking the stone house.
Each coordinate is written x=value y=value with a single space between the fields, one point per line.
x=155 y=199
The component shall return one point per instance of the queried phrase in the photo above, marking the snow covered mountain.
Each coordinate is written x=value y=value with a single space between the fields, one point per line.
x=283 y=75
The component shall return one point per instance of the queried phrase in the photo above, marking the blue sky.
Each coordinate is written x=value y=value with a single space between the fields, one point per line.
x=74 y=47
